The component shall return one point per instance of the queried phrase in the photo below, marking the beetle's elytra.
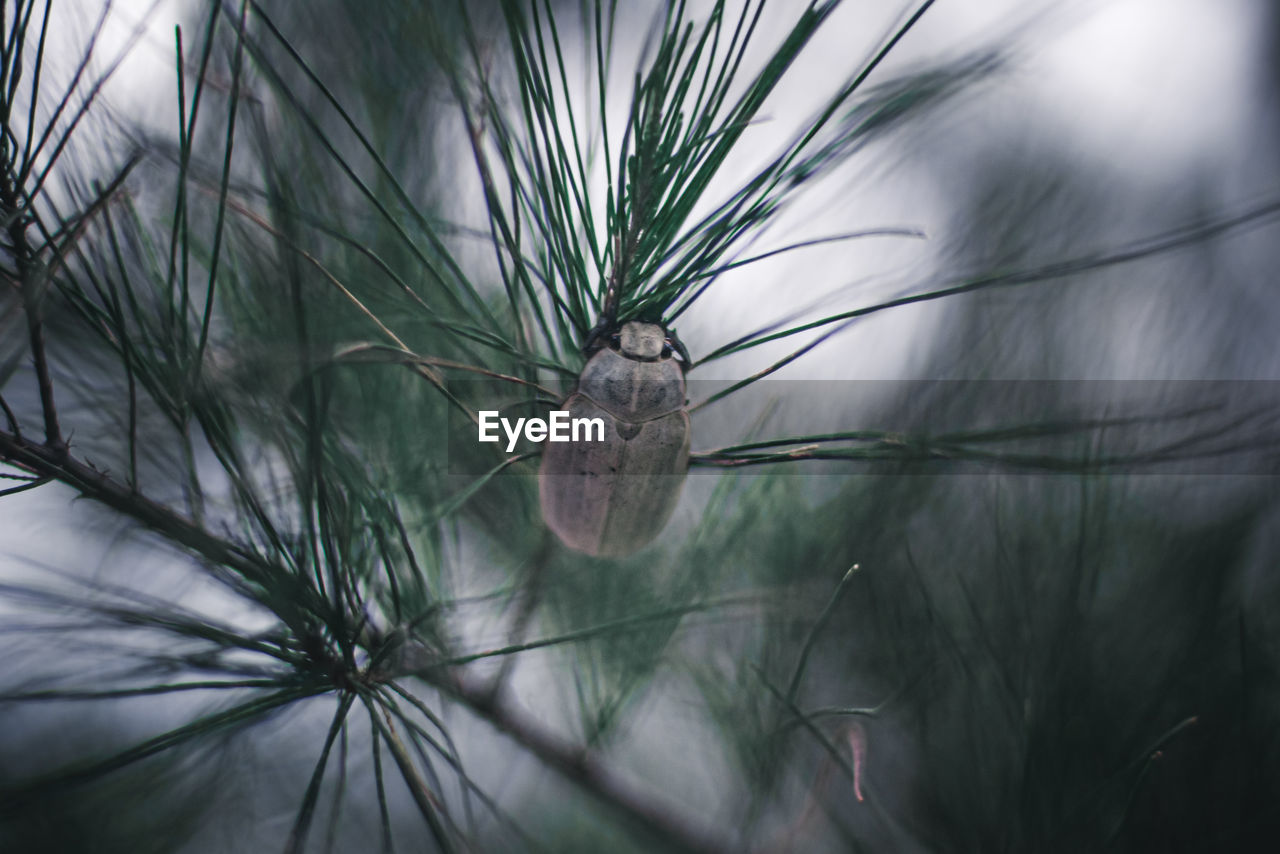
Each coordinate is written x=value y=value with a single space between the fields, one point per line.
x=611 y=498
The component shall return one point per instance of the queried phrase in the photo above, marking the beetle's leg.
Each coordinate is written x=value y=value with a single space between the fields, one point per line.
x=678 y=346
x=597 y=338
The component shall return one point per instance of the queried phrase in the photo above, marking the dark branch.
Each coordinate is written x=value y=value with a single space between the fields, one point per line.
x=31 y=283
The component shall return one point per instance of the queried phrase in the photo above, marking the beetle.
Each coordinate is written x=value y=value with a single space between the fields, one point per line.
x=609 y=498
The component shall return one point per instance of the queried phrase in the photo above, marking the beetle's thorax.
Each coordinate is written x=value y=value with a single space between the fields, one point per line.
x=643 y=342
x=635 y=388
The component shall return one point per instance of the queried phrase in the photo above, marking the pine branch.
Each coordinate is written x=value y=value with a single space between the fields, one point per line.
x=30 y=283
x=576 y=764
x=49 y=462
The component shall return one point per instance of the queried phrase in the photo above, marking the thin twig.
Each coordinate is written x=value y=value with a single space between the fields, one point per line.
x=24 y=259
x=10 y=417
x=581 y=767
x=14 y=490
x=42 y=460
x=532 y=596
x=428 y=804
x=821 y=623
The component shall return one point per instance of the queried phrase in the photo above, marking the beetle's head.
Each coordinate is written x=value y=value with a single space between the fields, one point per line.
x=644 y=342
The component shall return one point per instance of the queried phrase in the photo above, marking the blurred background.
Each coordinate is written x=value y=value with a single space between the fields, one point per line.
x=1056 y=655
